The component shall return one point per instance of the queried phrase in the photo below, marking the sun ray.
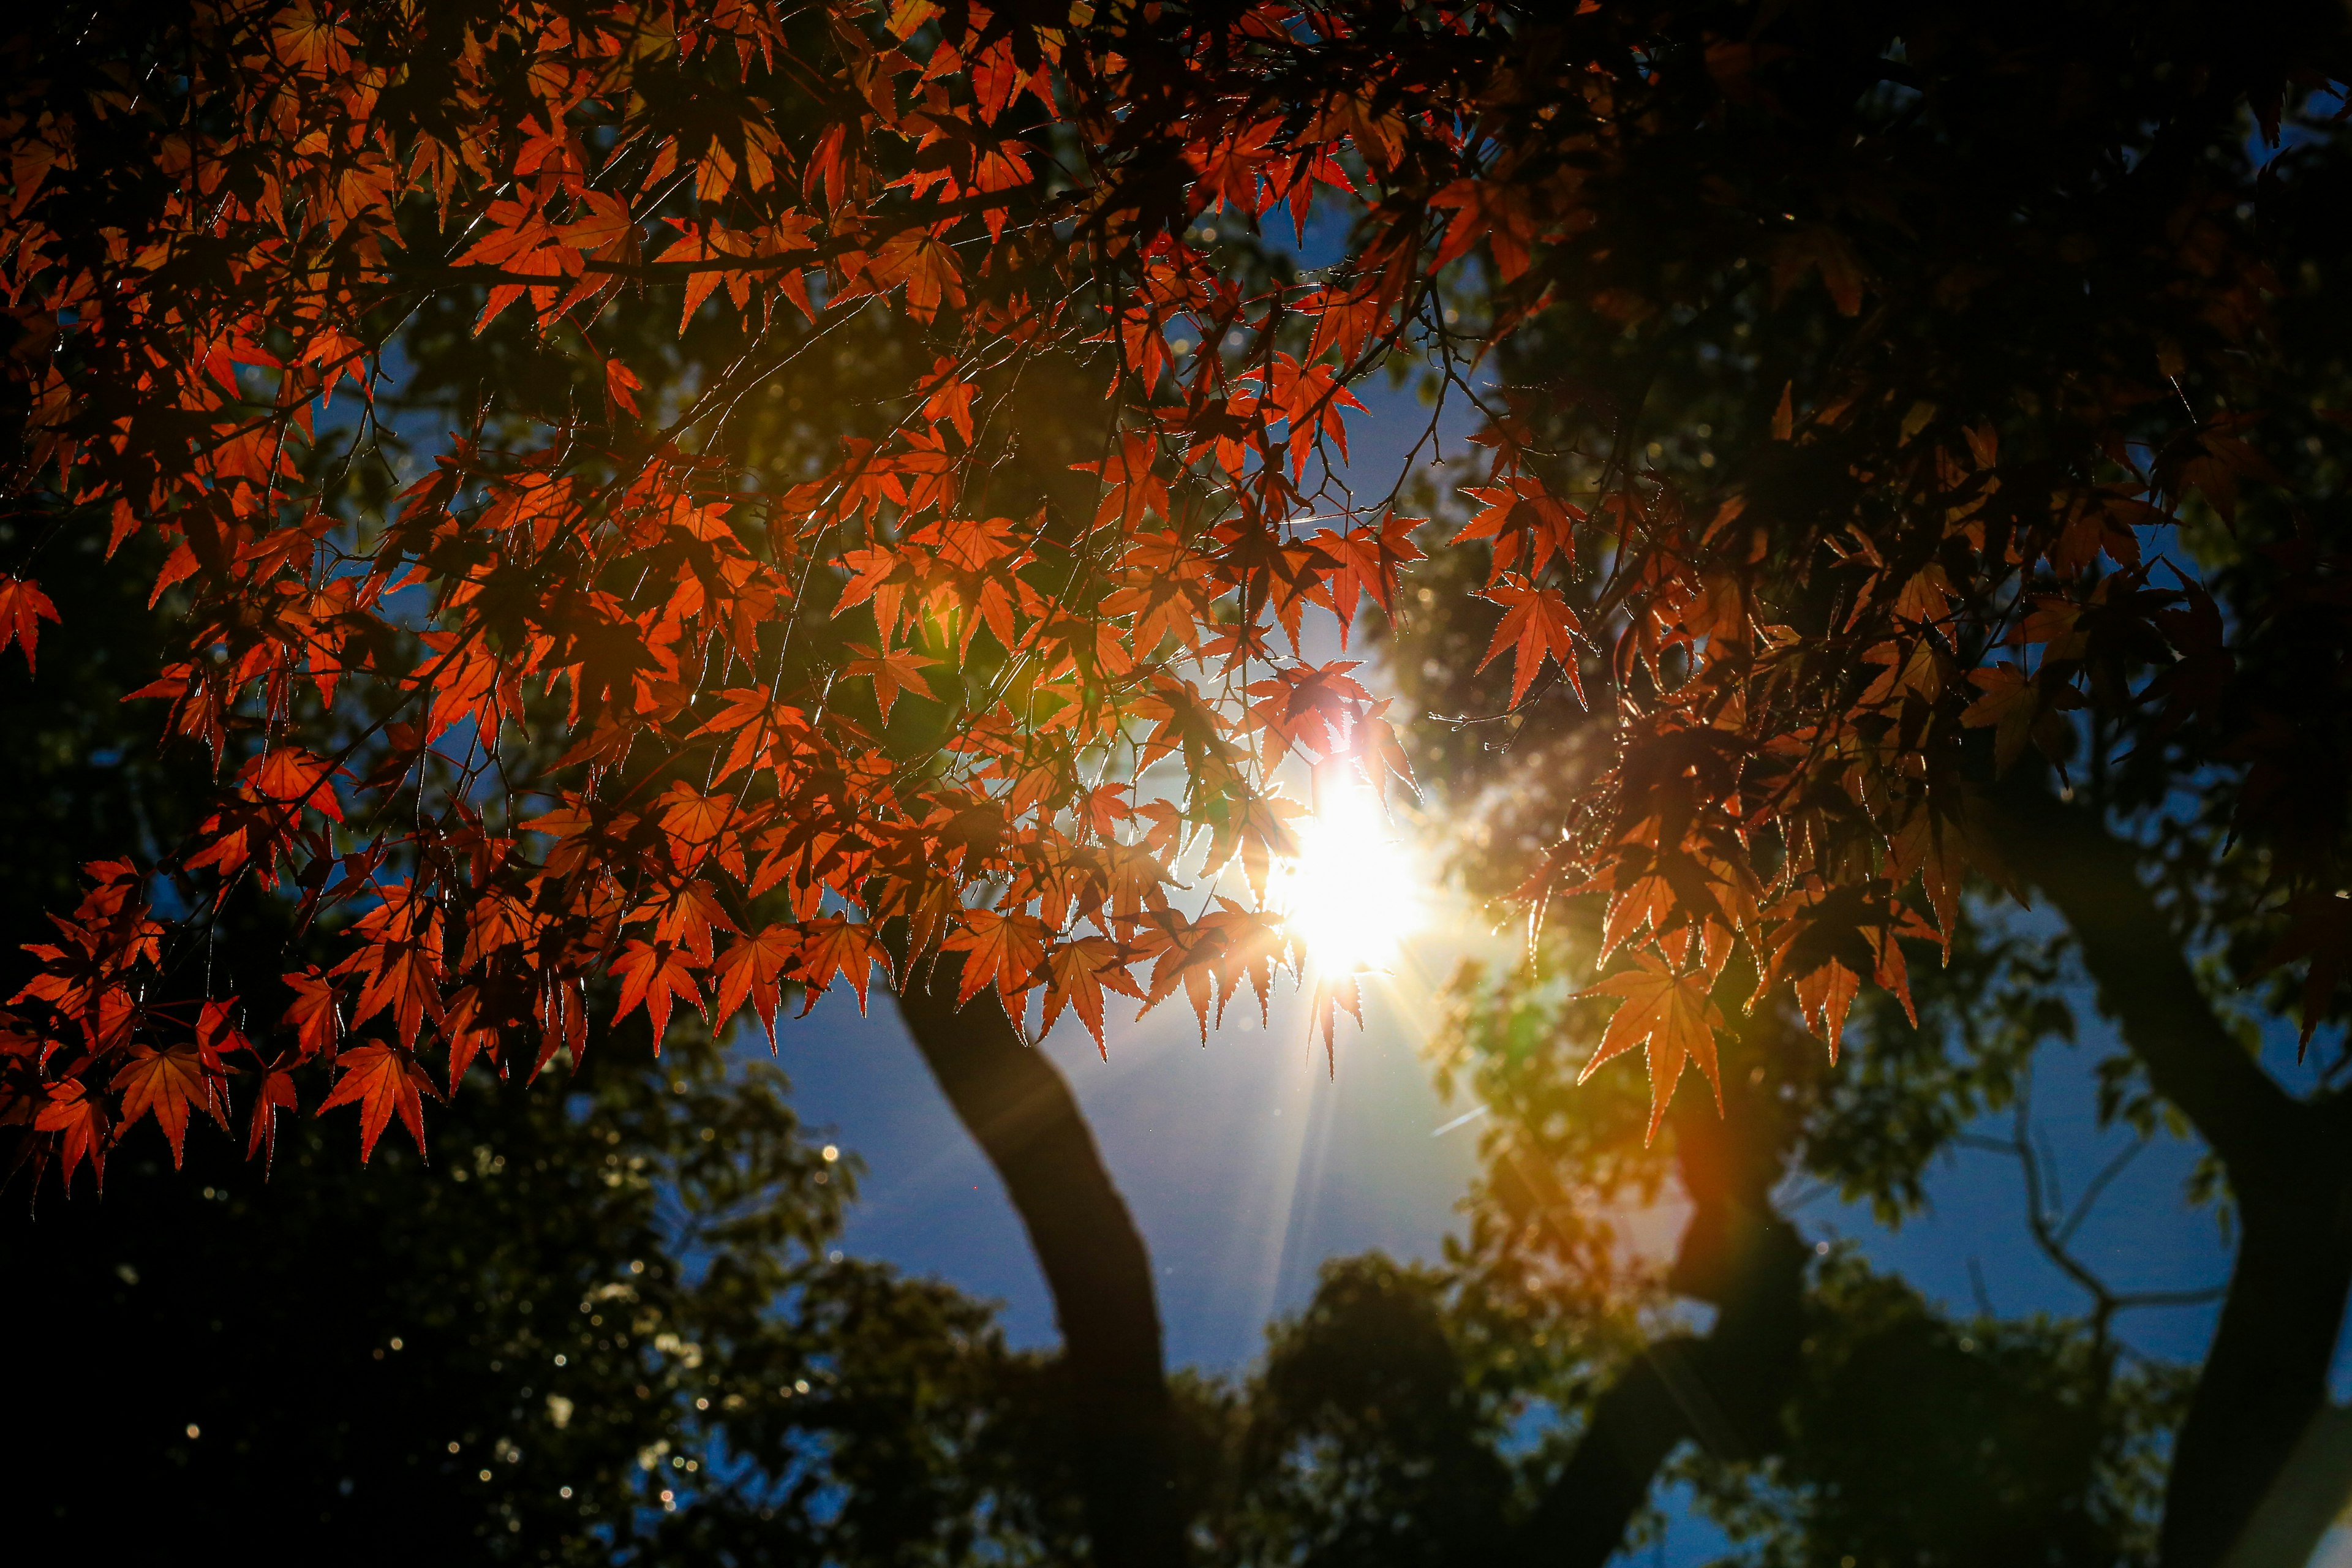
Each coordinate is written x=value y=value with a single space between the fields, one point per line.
x=1354 y=892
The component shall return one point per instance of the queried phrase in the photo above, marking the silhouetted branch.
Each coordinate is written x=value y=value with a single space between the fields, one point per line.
x=1724 y=1390
x=2289 y=1167
x=2030 y=1150
x=1022 y=1113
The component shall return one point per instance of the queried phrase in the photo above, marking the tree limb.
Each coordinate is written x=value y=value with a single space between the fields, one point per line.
x=2265 y=1378
x=1022 y=1115
x=2132 y=954
x=1724 y=1390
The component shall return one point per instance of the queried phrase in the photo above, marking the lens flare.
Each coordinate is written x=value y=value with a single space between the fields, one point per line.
x=1353 y=893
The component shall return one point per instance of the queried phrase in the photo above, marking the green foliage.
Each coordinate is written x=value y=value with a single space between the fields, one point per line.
x=667 y=1229
x=1371 y=1437
x=1920 y=1440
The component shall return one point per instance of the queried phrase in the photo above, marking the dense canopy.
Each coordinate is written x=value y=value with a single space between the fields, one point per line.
x=214 y=254
x=1903 y=447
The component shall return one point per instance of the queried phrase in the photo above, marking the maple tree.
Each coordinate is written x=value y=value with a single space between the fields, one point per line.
x=737 y=810
x=1982 y=418
x=355 y=1346
x=1388 y=1426
x=1828 y=677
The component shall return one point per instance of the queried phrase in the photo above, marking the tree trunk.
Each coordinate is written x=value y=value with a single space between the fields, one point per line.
x=1724 y=1390
x=2266 y=1380
x=1022 y=1115
x=2290 y=1168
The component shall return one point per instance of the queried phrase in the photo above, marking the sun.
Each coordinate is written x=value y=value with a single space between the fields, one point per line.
x=1353 y=893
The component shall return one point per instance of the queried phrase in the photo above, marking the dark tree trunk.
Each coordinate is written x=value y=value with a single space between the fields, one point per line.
x=1021 y=1112
x=2290 y=1167
x=1724 y=1390
x=2265 y=1379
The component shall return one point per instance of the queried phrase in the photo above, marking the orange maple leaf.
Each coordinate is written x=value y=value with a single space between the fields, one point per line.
x=750 y=969
x=166 y=1084
x=290 y=776
x=837 y=944
x=1823 y=997
x=706 y=243
x=901 y=669
x=22 y=608
x=1004 y=949
x=621 y=385
x=927 y=266
x=315 y=1011
x=651 y=973
x=379 y=1080
x=70 y=1109
x=1670 y=1014
x=277 y=1089
x=1500 y=213
x=1536 y=625
x=2008 y=707
x=1077 y=974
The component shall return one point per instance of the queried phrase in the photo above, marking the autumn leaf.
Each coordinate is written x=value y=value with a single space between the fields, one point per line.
x=167 y=1084
x=305 y=39
x=2319 y=929
x=1002 y=950
x=1819 y=247
x=1369 y=560
x=1536 y=625
x=621 y=385
x=70 y=1109
x=651 y=973
x=836 y=944
x=2008 y=707
x=22 y=608
x=1523 y=514
x=693 y=822
x=1494 y=210
x=1824 y=998
x=290 y=776
x=1077 y=974
x=948 y=394
x=1671 y=1015
x=899 y=669
x=314 y=1013
x=276 y=1090
x=380 y=1079
x=606 y=225
x=2017 y=708
x=750 y=969
x=695 y=247
x=921 y=261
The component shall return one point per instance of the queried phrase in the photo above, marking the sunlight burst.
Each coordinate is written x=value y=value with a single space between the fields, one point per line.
x=1353 y=893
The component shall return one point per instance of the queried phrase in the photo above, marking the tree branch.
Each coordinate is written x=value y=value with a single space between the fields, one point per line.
x=1724 y=1390
x=2091 y=878
x=2266 y=1377
x=1022 y=1115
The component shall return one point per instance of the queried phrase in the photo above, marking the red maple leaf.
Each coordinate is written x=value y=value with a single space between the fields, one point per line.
x=651 y=973
x=22 y=608
x=277 y=1089
x=380 y=1079
x=71 y=1110
x=1536 y=625
x=167 y=1084
x=750 y=969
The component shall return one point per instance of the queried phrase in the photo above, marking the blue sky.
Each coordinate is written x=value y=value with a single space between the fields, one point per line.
x=1246 y=1164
